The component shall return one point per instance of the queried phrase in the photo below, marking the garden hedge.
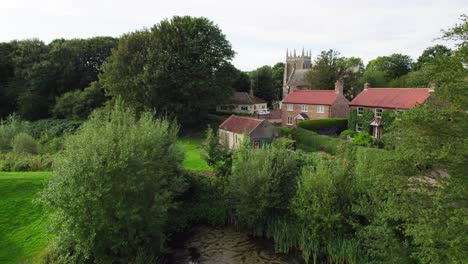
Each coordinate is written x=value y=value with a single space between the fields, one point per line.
x=311 y=141
x=325 y=126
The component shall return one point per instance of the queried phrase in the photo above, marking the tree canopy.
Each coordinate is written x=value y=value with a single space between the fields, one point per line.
x=176 y=68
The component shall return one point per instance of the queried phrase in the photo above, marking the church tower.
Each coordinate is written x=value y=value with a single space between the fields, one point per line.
x=294 y=70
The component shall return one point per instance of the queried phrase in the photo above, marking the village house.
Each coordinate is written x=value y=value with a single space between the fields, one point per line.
x=243 y=103
x=312 y=104
x=234 y=129
x=369 y=108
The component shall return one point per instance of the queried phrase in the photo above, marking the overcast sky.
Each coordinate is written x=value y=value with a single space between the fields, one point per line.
x=260 y=30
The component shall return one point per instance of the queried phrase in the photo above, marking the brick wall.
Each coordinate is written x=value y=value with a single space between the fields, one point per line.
x=311 y=113
x=340 y=107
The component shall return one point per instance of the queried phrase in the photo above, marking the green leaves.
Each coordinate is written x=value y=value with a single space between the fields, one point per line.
x=176 y=68
x=113 y=185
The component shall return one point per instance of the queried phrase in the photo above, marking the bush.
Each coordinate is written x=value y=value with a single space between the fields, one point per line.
x=261 y=185
x=325 y=126
x=112 y=187
x=284 y=142
x=347 y=132
x=312 y=141
x=284 y=131
x=363 y=139
x=24 y=144
x=12 y=162
x=9 y=128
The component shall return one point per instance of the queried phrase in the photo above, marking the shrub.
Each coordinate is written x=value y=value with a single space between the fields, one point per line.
x=347 y=132
x=326 y=126
x=363 y=139
x=113 y=185
x=284 y=131
x=24 y=144
x=285 y=143
x=12 y=162
x=9 y=128
x=261 y=185
x=312 y=141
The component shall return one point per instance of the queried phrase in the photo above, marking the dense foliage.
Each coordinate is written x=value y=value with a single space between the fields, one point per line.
x=311 y=141
x=112 y=187
x=33 y=74
x=328 y=126
x=178 y=68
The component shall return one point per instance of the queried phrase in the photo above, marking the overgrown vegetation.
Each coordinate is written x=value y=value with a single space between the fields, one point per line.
x=325 y=126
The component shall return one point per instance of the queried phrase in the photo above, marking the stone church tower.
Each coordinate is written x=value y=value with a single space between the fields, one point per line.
x=294 y=71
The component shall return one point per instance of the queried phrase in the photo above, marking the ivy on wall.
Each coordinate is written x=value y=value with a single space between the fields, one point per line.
x=366 y=118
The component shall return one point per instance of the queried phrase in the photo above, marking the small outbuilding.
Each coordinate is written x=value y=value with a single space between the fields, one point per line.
x=233 y=131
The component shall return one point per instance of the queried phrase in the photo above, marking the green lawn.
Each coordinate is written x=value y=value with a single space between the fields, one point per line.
x=193 y=154
x=22 y=224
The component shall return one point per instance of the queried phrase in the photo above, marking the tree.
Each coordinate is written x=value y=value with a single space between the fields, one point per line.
x=277 y=73
x=329 y=67
x=262 y=83
x=380 y=71
x=176 y=68
x=112 y=187
x=430 y=54
x=79 y=104
x=40 y=72
x=7 y=72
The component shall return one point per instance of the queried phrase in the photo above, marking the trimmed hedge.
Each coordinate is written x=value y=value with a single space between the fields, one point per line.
x=325 y=126
x=311 y=141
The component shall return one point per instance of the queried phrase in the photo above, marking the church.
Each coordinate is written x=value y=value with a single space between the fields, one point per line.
x=295 y=71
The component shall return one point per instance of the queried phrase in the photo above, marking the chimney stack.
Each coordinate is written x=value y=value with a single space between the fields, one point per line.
x=339 y=87
x=366 y=86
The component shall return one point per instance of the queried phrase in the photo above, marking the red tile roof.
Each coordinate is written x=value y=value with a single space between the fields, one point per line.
x=402 y=98
x=312 y=97
x=238 y=124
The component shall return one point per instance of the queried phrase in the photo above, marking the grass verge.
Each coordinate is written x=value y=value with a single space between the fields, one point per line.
x=23 y=231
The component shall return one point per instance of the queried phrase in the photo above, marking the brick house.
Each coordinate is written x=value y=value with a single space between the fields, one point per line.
x=370 y=109
x=243 y=103
x=312 y=104
x=233 y=130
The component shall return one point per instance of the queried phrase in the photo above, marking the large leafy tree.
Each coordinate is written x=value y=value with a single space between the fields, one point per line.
x=380 y=71
x=177 y=68
x=39 y=73
x=329 y=67
x=430 y=54
x=277 y=73
x=262 y=83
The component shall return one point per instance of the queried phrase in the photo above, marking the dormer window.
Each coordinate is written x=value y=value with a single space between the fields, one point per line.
x=378 y=112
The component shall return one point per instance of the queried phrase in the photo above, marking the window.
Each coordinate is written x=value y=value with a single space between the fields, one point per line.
x=263 y=106
x=378 y=112
x=304 y=108
x=244 y=108
x=289 y=120
x=290 y=107
x=358 y=127
x=320 y=109
x=360 y=110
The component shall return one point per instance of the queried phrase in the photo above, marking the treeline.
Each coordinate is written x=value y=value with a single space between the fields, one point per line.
x=33 y=75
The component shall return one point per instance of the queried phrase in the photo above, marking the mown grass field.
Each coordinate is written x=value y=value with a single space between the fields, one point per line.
x=23 y=231
x=193 y=154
